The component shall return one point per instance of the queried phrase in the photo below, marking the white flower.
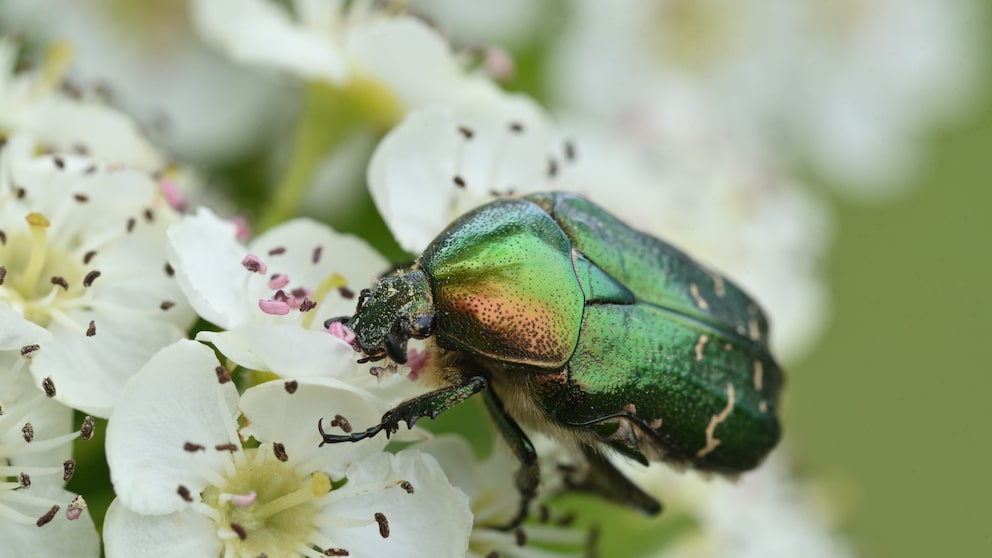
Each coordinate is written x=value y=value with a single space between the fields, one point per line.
x=495 y=501
x=187 y=486
x=149 y=60
x=30 y=103
x=767 y=513
x=83 y=255
x=703 y=194
x=273 y=295
x=850 y=85
x=342 y=43
x=35 y=459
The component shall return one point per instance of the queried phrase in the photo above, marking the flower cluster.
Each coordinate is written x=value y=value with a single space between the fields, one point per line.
x=137 y=157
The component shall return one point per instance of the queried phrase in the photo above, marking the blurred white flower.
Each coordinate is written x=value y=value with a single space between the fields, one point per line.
x=851 y=85
x=82 y=254
x=148 y=58
x=32 y=103
x=495 y=500
x=767 y=513
x=36 y=461
x=698 y=191
x=186 y=486
x=343 y=43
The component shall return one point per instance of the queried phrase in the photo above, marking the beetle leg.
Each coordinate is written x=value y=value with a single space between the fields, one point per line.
x=604 y=479
x=429 y=404
x=529 y=475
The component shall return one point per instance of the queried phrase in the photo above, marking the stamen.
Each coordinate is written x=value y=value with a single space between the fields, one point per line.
x=274 y=307
x=48 y=517
x=242 y=500
x=380 y=518
x=291 y=386
x=332 y=282
x=75 y=509
x=91 y=330
x=48 y=386
x=68 y=469
x=39 y=240
x=278 y=281
x=279 y=450
x=61 y=282
x=223 y=376
x=90 y=277
x=86 y=432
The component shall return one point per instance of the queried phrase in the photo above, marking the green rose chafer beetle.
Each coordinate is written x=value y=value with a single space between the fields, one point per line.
x=574 y=324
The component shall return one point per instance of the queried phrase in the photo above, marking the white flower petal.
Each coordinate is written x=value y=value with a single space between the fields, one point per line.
x=207 y=258
x=284 y=349
x=260 y=31
x=128 y=534
x=434 y=520
x=18 y=332
x=275 y=415
x=172 y=400
x=60 y=537
x=89 y=373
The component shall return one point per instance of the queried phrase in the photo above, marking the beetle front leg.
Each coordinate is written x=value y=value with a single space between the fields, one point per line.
x=529 y=475
x=429 y=404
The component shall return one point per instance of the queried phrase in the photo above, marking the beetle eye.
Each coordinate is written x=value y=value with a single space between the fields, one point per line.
x=422 y=327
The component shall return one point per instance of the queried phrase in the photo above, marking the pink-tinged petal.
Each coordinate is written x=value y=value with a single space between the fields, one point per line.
x=172 y=195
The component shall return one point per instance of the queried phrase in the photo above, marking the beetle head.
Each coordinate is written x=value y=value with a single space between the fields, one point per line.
x=396 y=309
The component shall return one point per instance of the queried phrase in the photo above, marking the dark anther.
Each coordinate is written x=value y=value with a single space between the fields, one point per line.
x=277 y=250
x=493 y=554
x=466 y=132
x=81 y=198
x=86 y=431
x=68 y=468
x=516 y=127
x=570 y=150
x=28 y=349
x=291 y=386
x=88 y=256
x=346 y=293
x=552 y=168
x=24 y=480
x=60 y=281
x=223 y=376
x=459 y=181
x=226 y=447
x=315 y=256
x=3 y=237
x=91 y=330
x=342 y=423
x=90 y=277
x=184 y=493
x=191 y=447
x=48 y=386
x=242 y=534
x=280 y=451
x=521 y=537
x=169 y=270
x=166 y=304
x=307 y=305
x=380 y=518
x=3 y=273
x=149 y=214
x=90 y=169
x=405 y=485
x=336 y=552
x=252 y=265
x=59 y=162
x=48 y=517
x=20 y=192
x=27 y=432
x=130 y=224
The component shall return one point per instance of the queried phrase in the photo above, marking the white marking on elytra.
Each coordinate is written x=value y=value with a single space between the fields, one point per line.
x=699 y=347
x=753 y=331
x=715 y=420
x=759 y=372
x=700 y=301
x=763 y=406
x=718 y=286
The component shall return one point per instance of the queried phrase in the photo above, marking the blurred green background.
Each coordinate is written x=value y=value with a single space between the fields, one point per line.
x=892 y=407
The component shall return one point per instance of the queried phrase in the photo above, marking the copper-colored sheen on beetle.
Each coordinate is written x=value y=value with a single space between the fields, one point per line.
x=574 y=324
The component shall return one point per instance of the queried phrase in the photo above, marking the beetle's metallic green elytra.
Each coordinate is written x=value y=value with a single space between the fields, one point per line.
x=572 y=323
